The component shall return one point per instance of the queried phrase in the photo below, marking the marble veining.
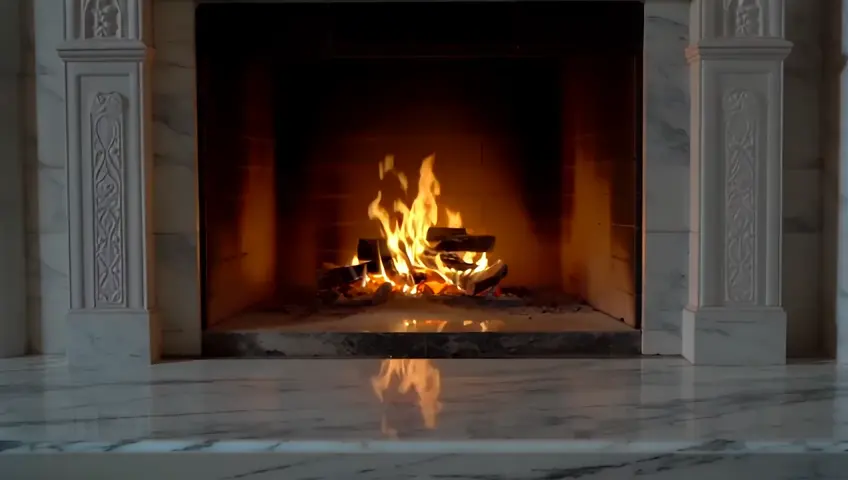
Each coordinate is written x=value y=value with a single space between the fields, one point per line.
x=596 y=419
x=432 y=447
x=601 y=466
x=584 y=401
x=665 y=175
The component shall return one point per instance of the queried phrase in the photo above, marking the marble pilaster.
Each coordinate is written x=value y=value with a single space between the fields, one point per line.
x=113 y=321
x=734 y=313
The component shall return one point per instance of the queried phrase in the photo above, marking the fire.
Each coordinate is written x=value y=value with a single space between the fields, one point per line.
x=418 y=375
x=414 y=265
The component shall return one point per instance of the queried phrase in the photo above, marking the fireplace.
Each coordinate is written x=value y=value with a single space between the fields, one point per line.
x=523 y=129
x=122 y=269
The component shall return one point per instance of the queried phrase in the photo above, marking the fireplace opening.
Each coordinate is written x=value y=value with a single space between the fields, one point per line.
x=420 y=166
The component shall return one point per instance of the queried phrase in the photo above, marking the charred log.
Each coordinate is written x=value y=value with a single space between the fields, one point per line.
x=479 y=282
x=437 y=234
x=419 y=277
x=452 y=260
x=339 y=277
x=379 y=297
x=374 y=249
x=466 y=243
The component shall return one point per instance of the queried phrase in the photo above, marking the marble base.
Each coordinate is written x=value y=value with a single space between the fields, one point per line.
x=671 y=465
x=419 y=345
x=724 y=336
x=113 y=339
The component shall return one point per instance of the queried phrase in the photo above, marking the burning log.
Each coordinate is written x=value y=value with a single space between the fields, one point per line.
x=452 y=260
x=340 y=277
x=478 y=282
x=437 y=234
x=466 y=243
x=372 y=250
x=379 y=297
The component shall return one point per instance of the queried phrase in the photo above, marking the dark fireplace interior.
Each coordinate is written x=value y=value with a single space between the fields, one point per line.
x=531 y=112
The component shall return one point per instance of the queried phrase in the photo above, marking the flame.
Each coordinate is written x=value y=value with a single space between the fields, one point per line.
x=406 y=236
x=418 y=375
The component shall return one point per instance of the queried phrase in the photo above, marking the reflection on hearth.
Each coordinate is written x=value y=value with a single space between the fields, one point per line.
x=426 y=326
x=416 y=377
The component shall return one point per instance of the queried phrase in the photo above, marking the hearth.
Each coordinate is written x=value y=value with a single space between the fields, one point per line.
x=440 y=179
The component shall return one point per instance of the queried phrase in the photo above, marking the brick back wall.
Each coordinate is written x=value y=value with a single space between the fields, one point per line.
x=539 y=153
x=491 y=125
x=600 y=168
x=237 y=171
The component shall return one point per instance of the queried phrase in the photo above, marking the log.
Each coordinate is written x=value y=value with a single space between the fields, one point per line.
x=379 y=297
x=436 y=234
x=452 y=260
x=467 y=243
x=479 y=282
x=372 y=249
x=341 y=276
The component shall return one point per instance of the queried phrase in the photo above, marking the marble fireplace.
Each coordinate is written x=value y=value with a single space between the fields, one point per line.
x=711 y=214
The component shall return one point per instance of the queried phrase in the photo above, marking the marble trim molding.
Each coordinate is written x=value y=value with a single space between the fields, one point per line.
x=710 y=272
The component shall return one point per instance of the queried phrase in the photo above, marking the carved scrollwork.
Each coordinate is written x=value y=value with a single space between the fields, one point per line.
x=741 y=126
x=743 y=18
x=102 y=19
x=107 y=141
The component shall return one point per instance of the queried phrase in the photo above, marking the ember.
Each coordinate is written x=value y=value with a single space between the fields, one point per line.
x=415 y=256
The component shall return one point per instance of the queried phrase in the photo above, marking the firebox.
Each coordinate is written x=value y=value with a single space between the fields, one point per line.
x=420 y=167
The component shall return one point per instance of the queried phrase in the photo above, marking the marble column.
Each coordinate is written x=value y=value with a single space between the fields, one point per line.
x=113 y=321
x=13 y=341
x=734 y=314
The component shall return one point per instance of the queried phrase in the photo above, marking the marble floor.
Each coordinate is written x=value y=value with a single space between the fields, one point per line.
x=474 y=419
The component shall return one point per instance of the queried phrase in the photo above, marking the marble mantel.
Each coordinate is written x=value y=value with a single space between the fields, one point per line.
x=713 y=100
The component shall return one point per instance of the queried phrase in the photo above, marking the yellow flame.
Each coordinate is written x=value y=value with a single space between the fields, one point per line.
x=406 y=233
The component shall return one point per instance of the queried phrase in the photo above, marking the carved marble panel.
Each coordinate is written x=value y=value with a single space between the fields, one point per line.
x=741 y=132
x=743 y=18
x=107 y=143
x=102 y=19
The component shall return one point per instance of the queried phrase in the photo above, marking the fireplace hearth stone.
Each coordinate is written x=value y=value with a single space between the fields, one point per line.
x=417 y=328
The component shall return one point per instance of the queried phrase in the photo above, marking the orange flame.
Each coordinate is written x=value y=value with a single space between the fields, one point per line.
x=406 y=236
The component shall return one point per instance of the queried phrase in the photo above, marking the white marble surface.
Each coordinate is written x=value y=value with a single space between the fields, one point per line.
x=175 y=207
x=499 y=419
x=600 y=403
x=665 y=175
x=48 y=287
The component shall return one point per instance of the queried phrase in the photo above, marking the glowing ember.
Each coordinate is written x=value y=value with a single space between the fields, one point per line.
x=415 y=268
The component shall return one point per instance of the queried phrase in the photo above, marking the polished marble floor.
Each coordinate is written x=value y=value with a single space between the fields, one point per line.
x=599 y=399
x=601 y=412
